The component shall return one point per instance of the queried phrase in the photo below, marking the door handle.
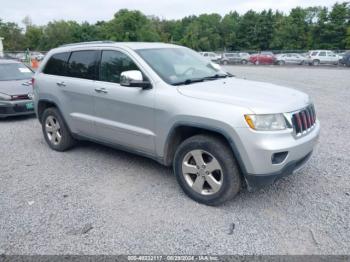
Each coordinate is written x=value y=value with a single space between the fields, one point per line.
x=61 y=83
x=101 y=90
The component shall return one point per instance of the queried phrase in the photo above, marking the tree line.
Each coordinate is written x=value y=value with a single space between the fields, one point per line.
x=300 y=29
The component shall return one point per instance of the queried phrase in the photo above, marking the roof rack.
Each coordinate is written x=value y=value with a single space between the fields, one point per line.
x=89 y=43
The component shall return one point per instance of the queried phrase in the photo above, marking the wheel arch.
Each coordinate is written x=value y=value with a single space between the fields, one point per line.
x=181 y=131
x=42 y=105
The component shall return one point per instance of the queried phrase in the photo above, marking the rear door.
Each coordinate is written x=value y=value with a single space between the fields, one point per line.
x=77 y=89
x=124 y=115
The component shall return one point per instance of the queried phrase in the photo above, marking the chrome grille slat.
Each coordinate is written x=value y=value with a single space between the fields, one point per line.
x=303 y=120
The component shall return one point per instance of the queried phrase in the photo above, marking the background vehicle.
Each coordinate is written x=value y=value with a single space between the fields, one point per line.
x=317 y=57
x=234 y=58
x=267 y=58
x=292 y=58
x=345 y=60
x=168 y=103
x=211 y=56
x=37 y=55
x=16 y=91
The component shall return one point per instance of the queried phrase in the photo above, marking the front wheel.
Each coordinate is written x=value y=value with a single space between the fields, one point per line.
x=206 y=170
x=55 y=130
x=316 y=62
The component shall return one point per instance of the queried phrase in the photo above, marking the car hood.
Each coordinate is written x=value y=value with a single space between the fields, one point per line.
x=16 y=87
x=259 y=97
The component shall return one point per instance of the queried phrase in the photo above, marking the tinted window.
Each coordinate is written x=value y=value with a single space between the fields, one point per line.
x=83 y=64
x=57 y=64
x=322 y=54
x=113 y=63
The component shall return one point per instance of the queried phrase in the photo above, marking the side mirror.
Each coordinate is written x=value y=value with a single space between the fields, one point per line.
x=134 y=78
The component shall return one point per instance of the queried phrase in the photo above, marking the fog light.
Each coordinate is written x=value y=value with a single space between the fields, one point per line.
x=278 y=158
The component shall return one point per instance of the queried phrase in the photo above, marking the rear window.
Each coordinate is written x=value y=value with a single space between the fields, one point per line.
x=57 y=64
x=14 y=71
x=83 y=64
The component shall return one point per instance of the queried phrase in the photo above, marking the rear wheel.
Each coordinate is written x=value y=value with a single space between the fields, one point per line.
x=244 y=62
x=206 y=170
x=55 y=130
x=225 y=62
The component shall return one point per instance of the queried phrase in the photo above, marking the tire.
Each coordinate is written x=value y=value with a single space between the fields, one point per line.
x=244 y=62
x=219 y=169
x=225 y=62
x=316 y=62
x=281 y=62
x=58 y=137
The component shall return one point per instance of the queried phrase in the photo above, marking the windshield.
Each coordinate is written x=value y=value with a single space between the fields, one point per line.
x=180 y=65
x=14 y=71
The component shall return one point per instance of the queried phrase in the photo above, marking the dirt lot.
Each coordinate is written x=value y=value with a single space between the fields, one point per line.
x=96 y=200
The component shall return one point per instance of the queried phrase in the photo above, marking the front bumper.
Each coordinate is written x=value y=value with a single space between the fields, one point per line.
x=258 y=181
x=15 y=108
x=257 y=151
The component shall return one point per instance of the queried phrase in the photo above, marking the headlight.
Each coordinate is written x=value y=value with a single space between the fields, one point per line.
x=4 y=97
x=270 y=122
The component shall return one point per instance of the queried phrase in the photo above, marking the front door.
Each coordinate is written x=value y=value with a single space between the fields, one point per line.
x=124 y=115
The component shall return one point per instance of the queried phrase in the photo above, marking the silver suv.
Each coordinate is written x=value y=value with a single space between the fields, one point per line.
x=170 y=104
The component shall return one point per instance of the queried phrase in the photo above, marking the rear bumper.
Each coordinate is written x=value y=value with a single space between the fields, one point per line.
x=15 y=108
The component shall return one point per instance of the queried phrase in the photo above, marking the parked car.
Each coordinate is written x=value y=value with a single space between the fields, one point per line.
x=317 y=57
x=345 y=60
x=16 y=91
x=234 y=58
x=292 y=58
x=267 y=58
x=166 y=102
x=37 y=55
x=211 y=56
x=21 y=57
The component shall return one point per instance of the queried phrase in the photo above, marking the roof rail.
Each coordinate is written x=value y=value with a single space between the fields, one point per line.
x=89 y=43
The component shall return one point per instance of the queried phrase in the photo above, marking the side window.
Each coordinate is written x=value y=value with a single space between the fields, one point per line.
x=113 y=63
x=322 y=54
x=57 y=64
x=83 y=64
x=314 y=54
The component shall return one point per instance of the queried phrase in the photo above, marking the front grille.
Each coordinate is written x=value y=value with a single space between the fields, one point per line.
x=304 y=120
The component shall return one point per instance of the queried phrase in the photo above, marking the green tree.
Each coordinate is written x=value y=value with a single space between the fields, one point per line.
x=14 y=39
x=130 y=26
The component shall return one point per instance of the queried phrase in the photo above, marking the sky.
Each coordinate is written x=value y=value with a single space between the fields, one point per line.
x=43 y=11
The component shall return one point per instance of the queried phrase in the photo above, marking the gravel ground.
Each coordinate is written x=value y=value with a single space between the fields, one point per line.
x=96 y=200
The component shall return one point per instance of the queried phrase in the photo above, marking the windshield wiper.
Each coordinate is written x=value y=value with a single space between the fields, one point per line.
x=207 y=78
x=216 y=76
x=189 y=81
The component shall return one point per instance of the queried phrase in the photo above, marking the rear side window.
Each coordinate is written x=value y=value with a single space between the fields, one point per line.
x=57 y=64
x=322 y=54
x=83 y=64
x=113 y=63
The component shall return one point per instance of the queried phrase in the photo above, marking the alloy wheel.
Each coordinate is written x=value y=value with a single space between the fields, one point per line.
x=202 y=172
x=53 y=130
